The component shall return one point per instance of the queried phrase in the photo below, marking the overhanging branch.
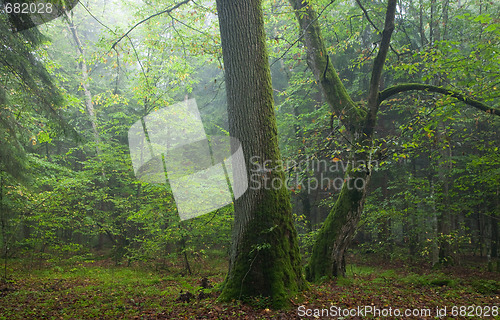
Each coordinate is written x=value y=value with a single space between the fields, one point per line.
x=385 y=94
x=150 y=17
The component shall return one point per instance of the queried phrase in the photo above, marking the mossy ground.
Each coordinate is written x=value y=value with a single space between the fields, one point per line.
x=100 y=290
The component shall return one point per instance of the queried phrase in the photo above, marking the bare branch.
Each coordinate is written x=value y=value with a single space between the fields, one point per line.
x=148 y=18
x=374 y=25
x=367 y=16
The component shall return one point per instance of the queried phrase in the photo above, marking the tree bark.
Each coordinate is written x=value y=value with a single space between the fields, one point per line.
x=322 y=67
x=265 y=259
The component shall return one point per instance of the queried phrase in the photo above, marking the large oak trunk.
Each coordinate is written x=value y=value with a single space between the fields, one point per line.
x=265 y=258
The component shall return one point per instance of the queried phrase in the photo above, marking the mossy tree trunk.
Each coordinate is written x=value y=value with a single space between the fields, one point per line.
x=265 y=259
x=334 y=237
x=328 y=257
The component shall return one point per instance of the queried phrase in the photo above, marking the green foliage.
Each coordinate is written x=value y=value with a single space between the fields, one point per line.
x=487 y=286
x=438 y=279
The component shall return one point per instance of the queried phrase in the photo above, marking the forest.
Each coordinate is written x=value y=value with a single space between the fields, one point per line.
x=249 y=159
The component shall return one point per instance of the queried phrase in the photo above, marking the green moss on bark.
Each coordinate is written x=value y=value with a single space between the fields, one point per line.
x=319 y=61
x=268 y=259
x=265 y=259
x=326 y=259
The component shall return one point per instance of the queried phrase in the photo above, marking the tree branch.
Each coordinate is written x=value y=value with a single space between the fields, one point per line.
x=303 y=33
x=385 y=94
x=323 y=68
x=150 y=17
x=378 y=67
x=367 y=16
x=373 y=24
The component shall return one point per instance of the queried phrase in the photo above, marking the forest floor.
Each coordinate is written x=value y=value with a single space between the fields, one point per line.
x=100 y=290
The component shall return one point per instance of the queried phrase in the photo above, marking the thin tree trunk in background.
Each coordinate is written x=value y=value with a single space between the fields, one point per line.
x=86 y=91
x=495 y=239
x=434 y=31
x=493 y=244
x=421 y=29
x=3 y=221
x=187 y=266
x=446 y=4
x=265 y=259
x=445 y=216
x=434 y=253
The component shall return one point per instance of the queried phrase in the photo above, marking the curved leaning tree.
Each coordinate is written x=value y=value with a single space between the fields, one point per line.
x=328 y=256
